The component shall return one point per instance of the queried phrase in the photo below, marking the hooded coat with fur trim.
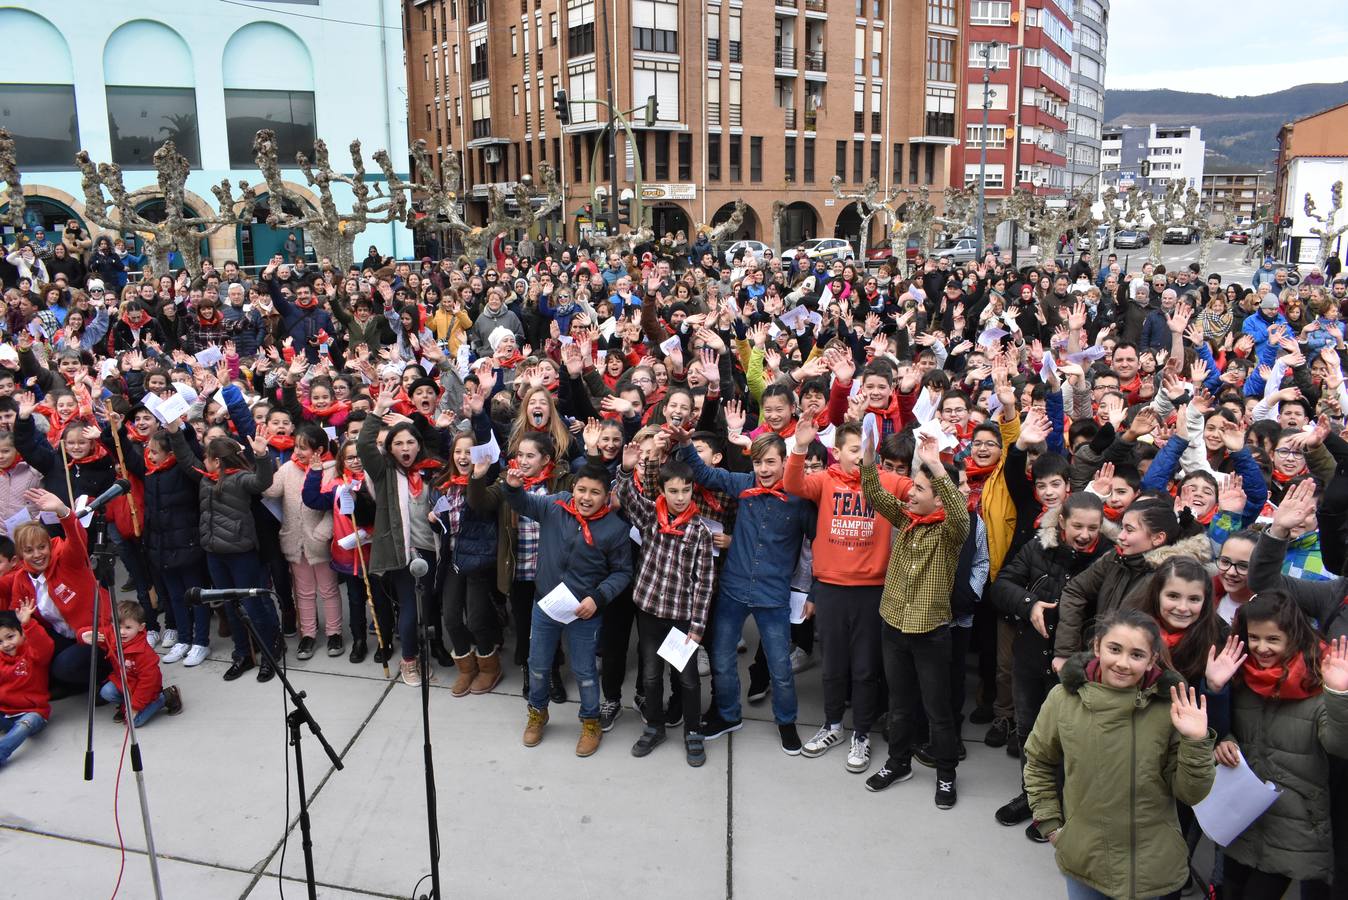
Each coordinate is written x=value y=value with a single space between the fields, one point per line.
x=1111 y=582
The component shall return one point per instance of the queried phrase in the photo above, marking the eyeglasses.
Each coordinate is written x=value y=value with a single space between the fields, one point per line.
x=986 y=445
x=1225 y=563
x=1289 y=453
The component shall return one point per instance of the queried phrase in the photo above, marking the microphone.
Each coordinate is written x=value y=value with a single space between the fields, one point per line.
x=119 y=487
x=418 y=567
x=209 y=597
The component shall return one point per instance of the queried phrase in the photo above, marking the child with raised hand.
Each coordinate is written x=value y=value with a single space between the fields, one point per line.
x=25 y=655
x=1131 y=739
x=1289 y=714
x=143 y=687
x=674 y=586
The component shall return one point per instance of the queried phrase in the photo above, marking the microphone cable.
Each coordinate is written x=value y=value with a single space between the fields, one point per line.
x=116 y=817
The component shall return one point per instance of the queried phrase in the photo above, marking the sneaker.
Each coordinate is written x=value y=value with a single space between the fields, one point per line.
x=119 y=714
x=1000 y=732
x=335 y=646
x=981 y=715
x=758 y=690
x=306 y=648
x=703 y=662
x=152 y=638
x=236 y=668
x=410 y=674
x=888 y=776
x=1015 y=812
x=790 y=739
x=651 y=737
x=859 y=757
x=176 y=654
x=713 y=726
x=800 y=660
x=945 y=790
x=173 y=700
x=694 y=749
x=383 y=653
x=741 y=647
x=609 y=712
x=824 y=740
x=673 y=714
x=197 y=655
x=168 y=639
x=923 y=755
x=1033 y=833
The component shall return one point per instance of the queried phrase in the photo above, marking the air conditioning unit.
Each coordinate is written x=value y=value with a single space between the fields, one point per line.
x=492 y=155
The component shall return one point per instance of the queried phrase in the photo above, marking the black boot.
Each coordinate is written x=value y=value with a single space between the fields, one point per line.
x=557 y=689
x=439 y=652
x=358 y=650
x=383 y=654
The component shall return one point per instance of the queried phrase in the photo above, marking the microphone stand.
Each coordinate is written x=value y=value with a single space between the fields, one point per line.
x=105 y=571
x=300 y=715
x=418 y=568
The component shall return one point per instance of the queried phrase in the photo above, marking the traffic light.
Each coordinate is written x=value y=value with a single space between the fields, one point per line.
x=652 y=110
x=1146 y=168
x=563 y=107
x=624 y=211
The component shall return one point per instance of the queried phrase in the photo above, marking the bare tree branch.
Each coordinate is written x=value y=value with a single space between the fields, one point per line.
x=9 y=174
x=1326 y=229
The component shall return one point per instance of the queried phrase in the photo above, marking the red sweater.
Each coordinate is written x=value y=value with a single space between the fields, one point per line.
x=70 y=581
x=23 y=676
x=142 y=668
x=890 y=423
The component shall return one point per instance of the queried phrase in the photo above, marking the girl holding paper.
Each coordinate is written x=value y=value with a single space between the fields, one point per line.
x=1289 y=712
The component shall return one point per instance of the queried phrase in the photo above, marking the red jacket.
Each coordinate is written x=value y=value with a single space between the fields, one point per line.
x=23 y=676
x=142 y=668
x=70 y=581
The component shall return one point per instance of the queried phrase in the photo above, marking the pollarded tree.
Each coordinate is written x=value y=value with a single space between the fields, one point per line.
x=913 y=217
x=1164 y=210
x=868 y=204
x=9 y=174
x=181 y=229
x=1325 y=227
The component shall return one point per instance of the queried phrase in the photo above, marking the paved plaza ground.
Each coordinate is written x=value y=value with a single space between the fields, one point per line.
x=751 y=823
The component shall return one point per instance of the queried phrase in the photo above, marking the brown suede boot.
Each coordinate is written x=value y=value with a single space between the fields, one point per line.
x=590 y=733
x=488 y=674
x=533 y=731
x=467 y=673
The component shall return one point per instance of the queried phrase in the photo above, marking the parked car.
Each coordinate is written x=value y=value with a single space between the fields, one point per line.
x=1131 y=240
x=957 y=250
x=822 y=248
x=879 y=256
x=1179 y=234
x=1238 y=236
x=1101 y=238
x=754 y=247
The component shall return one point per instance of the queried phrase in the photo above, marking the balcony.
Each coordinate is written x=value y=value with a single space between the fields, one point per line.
x=815 y=60
x=736 y=118
x=790 y=119
x=858 y=122
x=714 y=49
x=785 y=58
x=816 y=5
x=733 y=48
x=811 y=119
x=875 y=123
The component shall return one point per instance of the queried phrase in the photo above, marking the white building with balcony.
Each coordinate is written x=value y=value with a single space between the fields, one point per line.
x=1150 y=157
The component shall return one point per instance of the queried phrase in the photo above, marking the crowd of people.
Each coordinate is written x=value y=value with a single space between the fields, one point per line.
x=1102 y=510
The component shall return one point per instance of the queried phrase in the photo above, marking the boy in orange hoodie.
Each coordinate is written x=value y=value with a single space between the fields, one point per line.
x=850 y=555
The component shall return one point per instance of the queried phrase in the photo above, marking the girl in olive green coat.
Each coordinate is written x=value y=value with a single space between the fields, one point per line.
x=1131 y=739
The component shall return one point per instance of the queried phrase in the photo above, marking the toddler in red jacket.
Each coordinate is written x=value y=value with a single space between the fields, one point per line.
x=25 y=655
x=144 y=680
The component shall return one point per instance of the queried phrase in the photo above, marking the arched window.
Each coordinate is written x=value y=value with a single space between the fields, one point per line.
x=147 y=68
x=37 y=102
x=269 y=83
x=41 y=212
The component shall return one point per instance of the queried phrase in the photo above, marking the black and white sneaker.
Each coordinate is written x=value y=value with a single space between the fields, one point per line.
x=859 y=757
x=713 y=726
x=609 y=712
x=945 y=790
x=824 y=740
x=790 y=739
x=639 y=704
x=889 y=775
x=758 y=690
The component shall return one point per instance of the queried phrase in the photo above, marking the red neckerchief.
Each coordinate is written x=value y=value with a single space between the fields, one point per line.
x=890 y=412
x=1284 y=479
x=786 y=431
x=402 y=404
x=1285 y=681
x=10 y=468
x=530 y=482
x=676 y=524
x=611 y=380
x=512 y=361
x=457 y=481
x=1132 y=386
x=914 y=519
x=707 y=499
x=822 y=421
x=1171 y=638
x=307 y=304
x=151 y=468
x=773 y=490
x=978 y=473
x=216 y=475
x=325 y=412
x=281 y=442
x=851 y=482
x=415 y=483
x=570 y=506
x=209 y=323
x=305 y=467
x=94 y=455
x=1150 y=677
x=1112 y=514
x=1207 y=517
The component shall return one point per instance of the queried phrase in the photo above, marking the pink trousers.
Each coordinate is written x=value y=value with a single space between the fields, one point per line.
x=311 y=581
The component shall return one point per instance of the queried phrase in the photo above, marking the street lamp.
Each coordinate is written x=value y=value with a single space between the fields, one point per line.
x=988 y=68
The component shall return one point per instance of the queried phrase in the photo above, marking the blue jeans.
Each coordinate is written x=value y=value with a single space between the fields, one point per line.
x=1078 y=891
x=403 y=588
x=244 y=570
x=192 y=621
x=70 y=661
x=581 y=636
x=774 y=628
x=14 y=730
x=110 y=693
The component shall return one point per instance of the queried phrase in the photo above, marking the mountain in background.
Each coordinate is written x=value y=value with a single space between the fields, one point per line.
x=1241 y=132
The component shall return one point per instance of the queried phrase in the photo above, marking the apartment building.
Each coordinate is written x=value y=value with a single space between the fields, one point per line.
x=1240 y=193
x=1149 y=157
x=1086 y=108
x=1024 y=48
x=757 y=100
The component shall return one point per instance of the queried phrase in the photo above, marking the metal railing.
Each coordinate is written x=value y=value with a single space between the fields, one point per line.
x=713 y=49
x=714 y=112
x=811 y=119
x=815 y=60
x=736 y=118
x=786 y=57
x=734 y=51
x=790 y=118
x=816 y=5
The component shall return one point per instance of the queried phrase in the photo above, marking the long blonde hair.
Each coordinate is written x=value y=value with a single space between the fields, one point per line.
x=556 y=428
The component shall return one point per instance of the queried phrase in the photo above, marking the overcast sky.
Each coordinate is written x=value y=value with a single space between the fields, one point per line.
x=1246 y=49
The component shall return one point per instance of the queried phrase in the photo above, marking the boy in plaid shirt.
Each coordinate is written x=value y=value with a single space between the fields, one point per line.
x=673 y=588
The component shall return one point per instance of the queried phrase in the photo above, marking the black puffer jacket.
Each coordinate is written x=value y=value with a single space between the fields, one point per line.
x=1039 y=571
x=171 y=502
x=226 y=507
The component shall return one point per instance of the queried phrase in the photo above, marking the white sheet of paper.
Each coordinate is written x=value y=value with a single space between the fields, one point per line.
x=669 y=344
x=349 y=542
x=991 y=336
x=1085 y=357
x=560 y=604
x=9 y=354
x=796 y=318
x=22 y=517
x=773 y=330
x=346 y=501
x=635 y=534
x=274 y=507
x=209 y=356
x=870 y=431
x=1237 y=798
x=82 y=502
x=107 y=368
x=172 y=408
x=1047 y=367
x=924 y=410
x=488 y=453
x=35 y=329
x=676 y=649
x=566 y=340
x=994 y=404
x=608 y=327
x=798 y=599
x=150 y=401
x=330 y=431
x=715 y=528
x=428 y=367
x=441 y=506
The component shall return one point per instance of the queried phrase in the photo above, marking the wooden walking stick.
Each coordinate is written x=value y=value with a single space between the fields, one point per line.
x=363 y=567
x=65 y=461
x=121 y=464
